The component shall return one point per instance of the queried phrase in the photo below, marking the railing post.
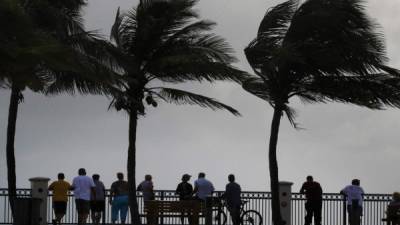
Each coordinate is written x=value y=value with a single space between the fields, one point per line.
x=208 y=216
x=344 y=210
x=40 y=191
x=285 y=192
x=162 y=214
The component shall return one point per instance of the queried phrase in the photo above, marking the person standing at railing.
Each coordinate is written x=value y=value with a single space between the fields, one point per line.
x=313 y=205
x=185 y=190
x=119 y=199
x=203 y=188
x=354 y=195
x=233 y=199
x=84 y=188
x=60 y=190
x=97 y=203
x=147 y=188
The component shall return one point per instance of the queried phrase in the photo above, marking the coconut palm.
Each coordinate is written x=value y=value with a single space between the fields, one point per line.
x=319 y=51
x=163 y=42
x=47 y=50
x=23 y=49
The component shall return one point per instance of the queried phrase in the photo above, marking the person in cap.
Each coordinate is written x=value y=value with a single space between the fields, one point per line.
x=185 y=190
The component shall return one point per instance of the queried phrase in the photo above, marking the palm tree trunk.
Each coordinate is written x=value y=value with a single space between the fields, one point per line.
x=12 y=120
x=273 y=167
x=134 y=209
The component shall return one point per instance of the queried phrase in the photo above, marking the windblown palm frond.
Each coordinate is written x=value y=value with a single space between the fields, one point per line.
x=165 y=41
x=180 y=97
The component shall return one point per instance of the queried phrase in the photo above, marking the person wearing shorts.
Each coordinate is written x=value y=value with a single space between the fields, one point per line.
x=60 y=190
x=84 y=188
x=97 y=203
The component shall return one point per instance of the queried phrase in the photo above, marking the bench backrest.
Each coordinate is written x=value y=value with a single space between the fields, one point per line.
x=156 y=207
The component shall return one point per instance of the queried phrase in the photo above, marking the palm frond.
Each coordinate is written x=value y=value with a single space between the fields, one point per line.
x=183 y=97
x=372 y=91
x=180 y=68
x=260 y=88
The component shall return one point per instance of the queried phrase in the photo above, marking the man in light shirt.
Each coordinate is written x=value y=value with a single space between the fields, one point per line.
x=84 y=188
x=354 y=195
x=203 y=188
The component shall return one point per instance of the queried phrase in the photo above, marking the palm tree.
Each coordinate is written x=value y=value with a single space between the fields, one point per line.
x=23 y=49
x=320 y=51
x=160 y=42
x=51 y=53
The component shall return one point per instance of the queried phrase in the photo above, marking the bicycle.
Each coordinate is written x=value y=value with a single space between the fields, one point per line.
x=247 y=217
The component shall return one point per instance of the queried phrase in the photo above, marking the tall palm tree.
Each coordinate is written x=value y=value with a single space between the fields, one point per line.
x=23 y=52
x=163 y=42
x=52 y=55
x=320 y=51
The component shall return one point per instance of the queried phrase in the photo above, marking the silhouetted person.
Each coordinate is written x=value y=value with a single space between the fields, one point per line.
x=313 y=205
x=119 y=199
x=60 y=190
x=97 y=203
x=185 y=190
x=203 y=188
x=83 y=187
x=354 y=195
x=233 y=200
x=393 y=208
x=147 y=188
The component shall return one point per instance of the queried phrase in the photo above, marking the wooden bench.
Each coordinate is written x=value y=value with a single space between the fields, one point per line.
x=393 y=215
x=155 y=209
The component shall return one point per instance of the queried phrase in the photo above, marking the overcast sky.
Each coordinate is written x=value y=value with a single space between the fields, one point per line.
x=339 y=142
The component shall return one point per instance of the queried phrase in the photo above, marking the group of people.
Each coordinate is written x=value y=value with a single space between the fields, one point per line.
x=90 y=195
x=354 y=196
x=203 y=188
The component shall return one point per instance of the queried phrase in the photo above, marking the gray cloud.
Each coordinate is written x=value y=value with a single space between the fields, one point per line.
x=339 y=142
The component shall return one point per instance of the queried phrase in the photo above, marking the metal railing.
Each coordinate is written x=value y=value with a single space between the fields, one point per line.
x=333 y=209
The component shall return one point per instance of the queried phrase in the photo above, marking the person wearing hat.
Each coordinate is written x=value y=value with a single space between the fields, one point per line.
x=185 y=190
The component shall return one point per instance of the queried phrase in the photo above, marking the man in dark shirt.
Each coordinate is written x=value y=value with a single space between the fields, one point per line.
x=313 y=192
x=232 y=197
x=185 y=191
x=119 y=199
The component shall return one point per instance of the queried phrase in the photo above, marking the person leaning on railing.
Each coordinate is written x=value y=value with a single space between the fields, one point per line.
x=60 y=190
x=354 y=195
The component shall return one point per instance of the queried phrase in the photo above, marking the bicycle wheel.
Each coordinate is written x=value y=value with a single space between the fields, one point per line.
x=220 y=218
x=251 y=217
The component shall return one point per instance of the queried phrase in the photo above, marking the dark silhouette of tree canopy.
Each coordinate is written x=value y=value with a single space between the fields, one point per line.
x=164 y=42
x=45 y=48
x=320 y=51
